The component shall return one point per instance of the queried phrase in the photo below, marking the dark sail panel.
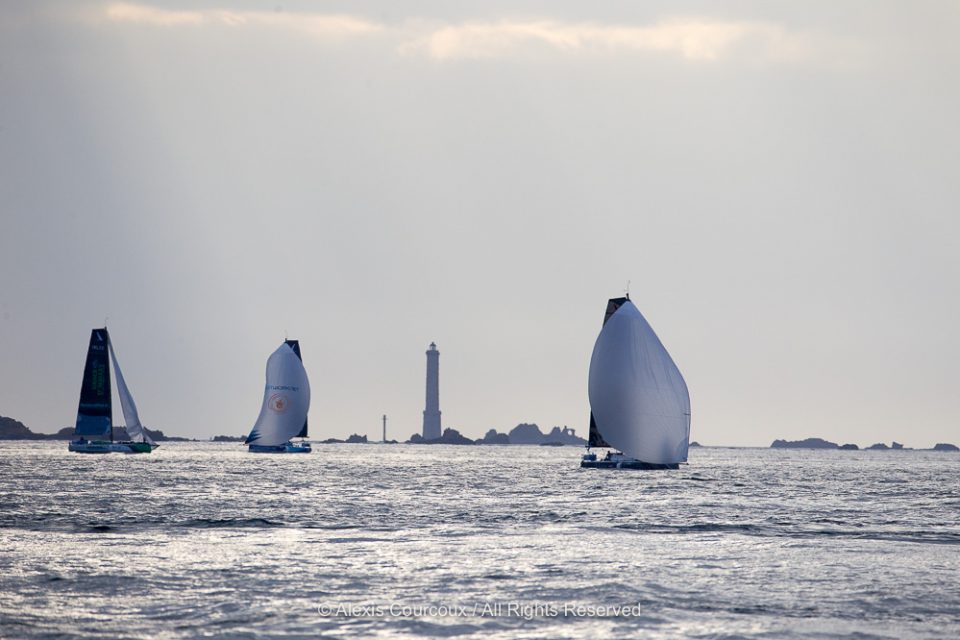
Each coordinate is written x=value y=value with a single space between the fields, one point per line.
x=612 y=305
x=94 y=414
x=295 y=345
x=595 y=439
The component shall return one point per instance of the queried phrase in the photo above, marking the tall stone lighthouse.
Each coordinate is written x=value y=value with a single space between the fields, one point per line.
x=431 y=415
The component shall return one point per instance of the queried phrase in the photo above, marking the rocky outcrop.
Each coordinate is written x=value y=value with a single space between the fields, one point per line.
x=808 y=443
x=525 y=433
x=353 y=439
x=564 y=435
x=450 y=436
x=494 y=437
x=945 y=446
x=11 y=429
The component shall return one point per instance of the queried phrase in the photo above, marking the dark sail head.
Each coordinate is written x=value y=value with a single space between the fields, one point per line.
x=596 y=440
x=295 y=345
x=612 y=305
x=94 y=415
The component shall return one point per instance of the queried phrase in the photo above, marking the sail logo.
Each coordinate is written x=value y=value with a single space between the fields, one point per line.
x=278 y=402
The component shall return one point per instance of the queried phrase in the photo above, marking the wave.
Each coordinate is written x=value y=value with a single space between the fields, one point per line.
x=774 y=531
x=230 y=523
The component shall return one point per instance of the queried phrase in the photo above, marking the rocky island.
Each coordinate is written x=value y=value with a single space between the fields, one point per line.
x=523 y=433
x=807 y=443
x=450 y=436
x=820 y=443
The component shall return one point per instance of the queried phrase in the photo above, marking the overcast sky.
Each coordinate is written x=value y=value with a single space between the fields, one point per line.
x=777 y=181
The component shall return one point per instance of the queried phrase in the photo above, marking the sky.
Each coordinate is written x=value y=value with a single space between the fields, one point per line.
x=775 y=182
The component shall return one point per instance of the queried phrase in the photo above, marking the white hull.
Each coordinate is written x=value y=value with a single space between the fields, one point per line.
x=287 y=447
x=619 y=461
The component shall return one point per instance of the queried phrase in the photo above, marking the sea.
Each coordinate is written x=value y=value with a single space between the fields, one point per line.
x=404 y=541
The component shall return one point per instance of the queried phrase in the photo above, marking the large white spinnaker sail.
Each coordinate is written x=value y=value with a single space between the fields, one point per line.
x=130 y=416
x=637 y=395
x=286 y=400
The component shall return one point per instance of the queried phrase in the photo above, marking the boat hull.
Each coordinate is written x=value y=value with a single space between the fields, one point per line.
x=620 y=461
x=287 y=447
x=626 y=464
x=110 y=447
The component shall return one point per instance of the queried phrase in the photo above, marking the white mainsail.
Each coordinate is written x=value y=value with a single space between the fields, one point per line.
x=286 y=400
x=637 y=395
x=127 y=405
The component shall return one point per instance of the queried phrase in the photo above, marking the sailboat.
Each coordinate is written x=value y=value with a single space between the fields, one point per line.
x=94 y=427
x=639 y=403
x=286 y=400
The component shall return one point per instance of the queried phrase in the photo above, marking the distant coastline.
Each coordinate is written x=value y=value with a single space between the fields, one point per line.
x=11 y=429
x=820 y=443
x=522 y=434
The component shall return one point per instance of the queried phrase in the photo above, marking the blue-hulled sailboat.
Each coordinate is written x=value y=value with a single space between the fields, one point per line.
x=286 y=401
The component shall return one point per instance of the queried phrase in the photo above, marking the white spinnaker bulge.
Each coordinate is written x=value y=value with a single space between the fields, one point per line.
x=286 y=400
x=638 y=397
x=130 y=416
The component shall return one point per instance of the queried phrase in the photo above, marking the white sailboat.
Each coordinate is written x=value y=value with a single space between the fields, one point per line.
x=94 y=426
x=639 y=401
x=286 y=401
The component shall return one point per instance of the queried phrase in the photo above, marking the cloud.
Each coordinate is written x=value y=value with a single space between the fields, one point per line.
x=314 y=24
x=700 y=40
x=142 y=14
x=693 y=39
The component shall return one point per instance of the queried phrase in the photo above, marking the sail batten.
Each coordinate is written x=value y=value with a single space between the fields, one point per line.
x=638 y=397
x=286 y=400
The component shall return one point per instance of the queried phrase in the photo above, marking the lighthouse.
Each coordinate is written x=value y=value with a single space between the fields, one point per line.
x=431 y=414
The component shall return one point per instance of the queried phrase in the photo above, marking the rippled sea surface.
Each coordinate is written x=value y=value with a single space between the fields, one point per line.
x=204 y=539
